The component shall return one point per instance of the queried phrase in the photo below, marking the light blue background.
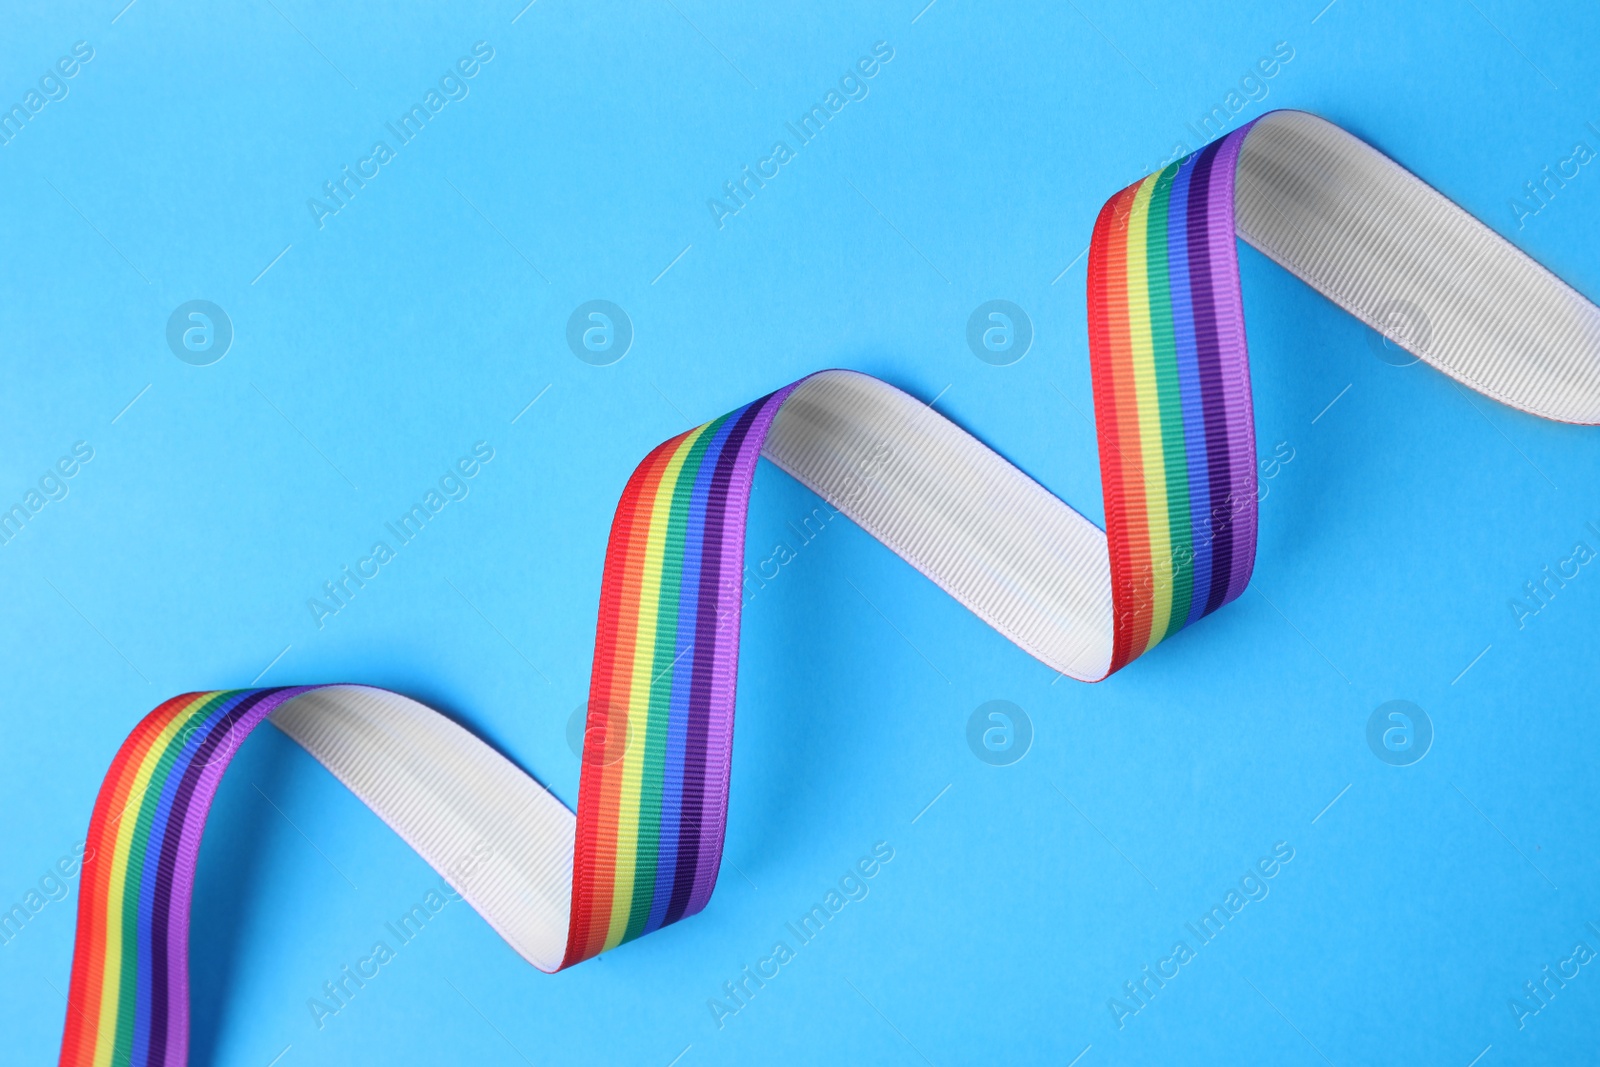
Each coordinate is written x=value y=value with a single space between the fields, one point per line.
x=430 y=311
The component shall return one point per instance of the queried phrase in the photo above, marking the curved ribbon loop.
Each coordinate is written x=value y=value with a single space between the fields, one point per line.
x=1177 y=454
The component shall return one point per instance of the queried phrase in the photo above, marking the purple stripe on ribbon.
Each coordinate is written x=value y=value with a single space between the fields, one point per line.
x=155 y=883
x=700 y=771
x=728 y=591
x=1218 y=519
x=1235 y=362
x=194 y=812
x=688 y=608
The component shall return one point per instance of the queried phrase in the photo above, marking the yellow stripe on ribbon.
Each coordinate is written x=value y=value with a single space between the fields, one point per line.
x=1150 y=437
x=644 y=655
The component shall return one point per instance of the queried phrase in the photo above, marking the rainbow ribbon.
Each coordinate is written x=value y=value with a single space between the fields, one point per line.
x=1177 y=454
x=1172 y=398
x=651 y=812
x=129 y=998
